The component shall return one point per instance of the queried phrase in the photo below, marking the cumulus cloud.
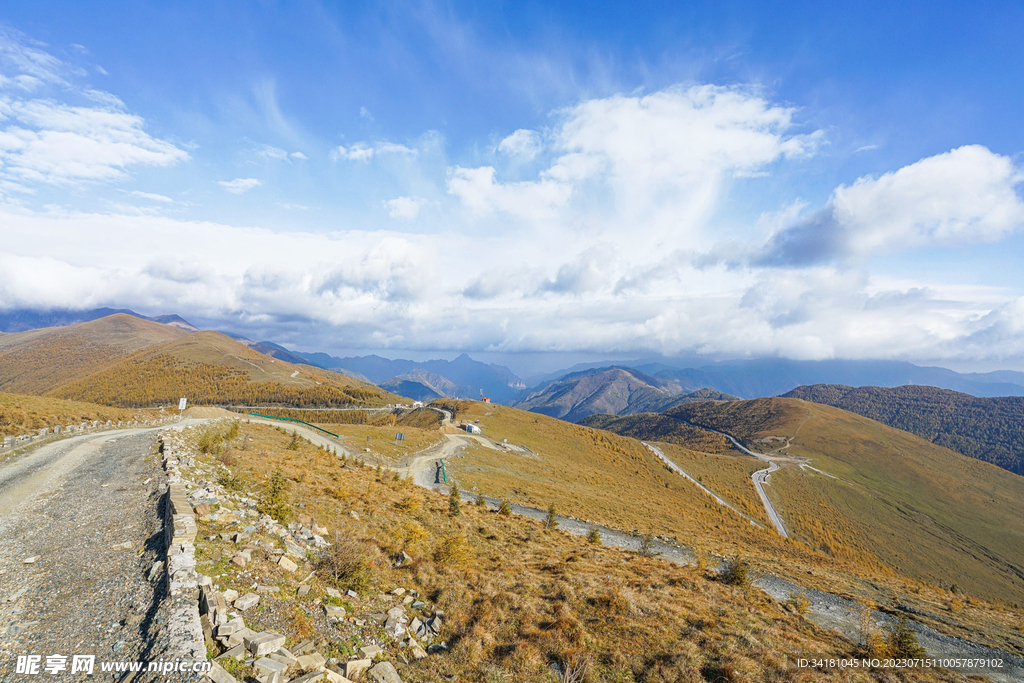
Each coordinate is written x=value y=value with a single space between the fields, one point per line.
x=656 y=163
x=963 y=196
x=298 y=155
x=524 y=144
x=405 y=207
x=239 y=185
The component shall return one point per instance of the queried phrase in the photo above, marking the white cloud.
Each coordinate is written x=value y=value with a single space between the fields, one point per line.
x=524 y=144
x=365 y=113
x=239 y=185
x=44 y=141
x=359 y=151
x=362 y=151
x=478 y=190
x=406 y=208
x=152 y=196
x=298 y=155
x=657 y=163
x=272 y=152
x=56 y=143
x=963 y=196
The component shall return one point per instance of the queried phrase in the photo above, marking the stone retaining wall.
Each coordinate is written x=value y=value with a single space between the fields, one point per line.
x=180 y=529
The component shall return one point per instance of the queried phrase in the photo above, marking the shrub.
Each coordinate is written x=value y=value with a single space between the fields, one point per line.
x=799 y=602
x=346 y=565
x=452 y=551
x=412 y=533
x=869 y=640
x=275 y=498
x=293 y=445
x=480 y=501
x=504 y=509
x=594 y=536
x=646 y=548
x=454 y=501
x=736 y=572
x=901 y=641
x=550 y=522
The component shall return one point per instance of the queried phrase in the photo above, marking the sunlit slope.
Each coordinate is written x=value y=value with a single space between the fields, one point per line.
x=989 y=429
x=26 y=414
x=212 y=368
x=41 y=360
x=928 y=512
x=598 y=476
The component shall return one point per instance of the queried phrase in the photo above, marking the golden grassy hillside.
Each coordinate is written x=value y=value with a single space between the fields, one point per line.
x=516 y=597
x=926 y=511
x=26 y=414
x=38 y=361
x=124 y=361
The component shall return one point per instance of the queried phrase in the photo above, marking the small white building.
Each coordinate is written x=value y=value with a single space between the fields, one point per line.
x=471 y=428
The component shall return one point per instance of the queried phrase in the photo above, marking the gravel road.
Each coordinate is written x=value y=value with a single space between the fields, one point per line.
x=73 y=505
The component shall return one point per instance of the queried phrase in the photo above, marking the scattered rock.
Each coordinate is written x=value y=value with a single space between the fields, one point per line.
x=230 y=595
x=238 y=560
x=287 y=565
x=122 y=546
x=398 y=591
x=371 y=651
x=217 y=674
x=384 y=673
x=303 y=591
x=352 y=594
x=155 y=570
x=268 y=665
x=333 y=593
x=246 y=601
x=311 y=662
x=355 y=667
x=264 y=643
x=308 y=678
x=30 y=560
x=353 y=514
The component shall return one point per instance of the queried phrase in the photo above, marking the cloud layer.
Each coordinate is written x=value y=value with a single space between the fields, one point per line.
x=606 y=230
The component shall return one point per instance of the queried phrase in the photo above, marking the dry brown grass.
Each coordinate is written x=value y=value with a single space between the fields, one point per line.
x=24 y=414
x=531 y=597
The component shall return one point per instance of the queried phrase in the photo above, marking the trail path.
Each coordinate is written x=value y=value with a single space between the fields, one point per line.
x=88 y=509
x=676 y=468
x=760 y=478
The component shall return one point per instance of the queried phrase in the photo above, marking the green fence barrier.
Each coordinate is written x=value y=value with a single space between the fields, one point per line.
x=292 y=419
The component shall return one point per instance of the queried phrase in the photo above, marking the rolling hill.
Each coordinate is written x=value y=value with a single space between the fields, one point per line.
x=124 y=361
x=614 y=390
x=925 y=511
x=38 y=361
x=989 y=429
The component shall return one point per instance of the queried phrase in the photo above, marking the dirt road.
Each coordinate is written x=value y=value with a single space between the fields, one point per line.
x=85 y=511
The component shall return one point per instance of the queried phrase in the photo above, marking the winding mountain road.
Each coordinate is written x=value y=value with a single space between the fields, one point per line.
x=760 y=478
x=678 y=470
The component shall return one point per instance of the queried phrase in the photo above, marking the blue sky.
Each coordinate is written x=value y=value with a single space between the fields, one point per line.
x=733 y=180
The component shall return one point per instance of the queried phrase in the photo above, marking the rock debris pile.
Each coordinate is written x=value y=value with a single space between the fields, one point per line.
x=258 y=619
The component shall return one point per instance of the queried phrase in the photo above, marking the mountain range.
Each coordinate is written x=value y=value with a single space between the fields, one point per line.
x=614 y=390
x=464 y=377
